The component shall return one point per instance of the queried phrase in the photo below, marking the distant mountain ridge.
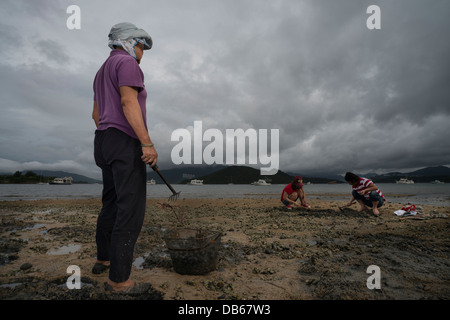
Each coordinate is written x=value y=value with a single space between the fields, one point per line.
x=220 y=174
x=429 y=174
x=225 y=174
x=243 y=175
x=77 y=178
x=178 y=175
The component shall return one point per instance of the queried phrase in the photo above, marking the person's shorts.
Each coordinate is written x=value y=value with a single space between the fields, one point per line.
x=374 y=196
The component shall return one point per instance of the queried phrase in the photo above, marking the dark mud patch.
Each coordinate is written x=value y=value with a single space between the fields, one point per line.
x=410 y=268
x=9 y=249
x=80 y=233
x=266 y=253
x=316 y=213
x=232 y=253
x=158 y=257
x=31 y=288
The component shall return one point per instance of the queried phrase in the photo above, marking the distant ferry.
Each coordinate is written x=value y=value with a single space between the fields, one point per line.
x=62 y=181
x=261 y=182
x=405 y=181
x=152 y=181
x=437 y=182
x=197 y=182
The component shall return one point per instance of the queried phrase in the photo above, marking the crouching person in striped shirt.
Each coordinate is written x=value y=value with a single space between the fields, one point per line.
x=365 y=192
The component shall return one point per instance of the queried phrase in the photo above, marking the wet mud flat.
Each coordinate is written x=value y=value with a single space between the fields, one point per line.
x=265 y=252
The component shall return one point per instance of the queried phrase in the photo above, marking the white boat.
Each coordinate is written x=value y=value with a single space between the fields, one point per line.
x=152 y=181
x=437 y=182
x=62 y=181
x=197 y=182
x=405 y=181
x=261 y=182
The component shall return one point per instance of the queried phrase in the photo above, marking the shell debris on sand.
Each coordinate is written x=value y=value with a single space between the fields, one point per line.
x=265 y=252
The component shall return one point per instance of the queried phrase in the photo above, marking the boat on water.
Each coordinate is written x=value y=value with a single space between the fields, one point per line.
x=62 y=181
x=261 y=182
x=437 y=182
x=152 y=181
x=196 y=182
x=405 y=181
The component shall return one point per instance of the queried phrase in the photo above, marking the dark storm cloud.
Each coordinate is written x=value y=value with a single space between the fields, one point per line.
x=52 y=50
x=368 y=96
x=343 y=97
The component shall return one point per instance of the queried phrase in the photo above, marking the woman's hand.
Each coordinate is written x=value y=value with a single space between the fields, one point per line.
x=149 y=155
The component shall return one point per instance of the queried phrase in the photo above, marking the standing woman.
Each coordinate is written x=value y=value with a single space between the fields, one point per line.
x=122 y=148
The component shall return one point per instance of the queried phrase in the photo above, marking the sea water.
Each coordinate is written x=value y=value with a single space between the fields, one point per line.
x=418 y=193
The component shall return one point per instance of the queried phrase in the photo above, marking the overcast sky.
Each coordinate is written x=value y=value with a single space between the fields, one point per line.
x=343 y=97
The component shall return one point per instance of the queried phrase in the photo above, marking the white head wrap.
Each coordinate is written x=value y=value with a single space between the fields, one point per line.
x=127 y=35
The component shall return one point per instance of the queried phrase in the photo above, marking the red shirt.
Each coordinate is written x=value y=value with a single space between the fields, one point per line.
x=288 y=189
x=364 y=183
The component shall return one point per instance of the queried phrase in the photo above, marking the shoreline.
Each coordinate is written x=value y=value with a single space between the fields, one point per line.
x=266 y=252
x=429 y=194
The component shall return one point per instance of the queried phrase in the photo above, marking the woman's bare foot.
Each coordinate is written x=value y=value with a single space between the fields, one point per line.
x=362 y=208
x=121 y=286
x=127 y=287
x=375 y=211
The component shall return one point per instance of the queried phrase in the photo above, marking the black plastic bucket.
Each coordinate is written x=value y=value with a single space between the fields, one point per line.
x=193 y=251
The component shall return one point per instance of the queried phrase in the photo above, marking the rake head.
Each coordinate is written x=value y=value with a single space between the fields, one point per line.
x=175 y=196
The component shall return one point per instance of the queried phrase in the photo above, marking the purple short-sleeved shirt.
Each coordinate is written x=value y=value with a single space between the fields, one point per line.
x=120 y=69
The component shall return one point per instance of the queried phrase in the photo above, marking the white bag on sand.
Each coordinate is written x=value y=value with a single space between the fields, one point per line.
x=406 y=211
x=400 y=212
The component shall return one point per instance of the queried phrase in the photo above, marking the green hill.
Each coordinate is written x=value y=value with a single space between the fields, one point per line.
x=424 y=175
x=243 y=175
x=45 y=176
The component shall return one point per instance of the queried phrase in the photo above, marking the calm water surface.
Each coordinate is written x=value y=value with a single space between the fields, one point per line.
x=418 y=193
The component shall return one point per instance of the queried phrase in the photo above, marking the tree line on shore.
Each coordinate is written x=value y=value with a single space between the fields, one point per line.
x=28 y=177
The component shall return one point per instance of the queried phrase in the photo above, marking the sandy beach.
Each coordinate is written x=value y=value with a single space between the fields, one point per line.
x=265 y=253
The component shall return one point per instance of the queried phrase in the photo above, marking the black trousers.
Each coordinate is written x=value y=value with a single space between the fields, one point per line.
x=123 y=199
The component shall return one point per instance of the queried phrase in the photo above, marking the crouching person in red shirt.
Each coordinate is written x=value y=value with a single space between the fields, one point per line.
x=293 y=192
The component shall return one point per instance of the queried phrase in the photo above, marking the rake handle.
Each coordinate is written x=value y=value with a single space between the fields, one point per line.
x=156 y=169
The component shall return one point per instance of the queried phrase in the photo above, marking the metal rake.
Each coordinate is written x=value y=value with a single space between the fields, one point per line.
x=175 y=195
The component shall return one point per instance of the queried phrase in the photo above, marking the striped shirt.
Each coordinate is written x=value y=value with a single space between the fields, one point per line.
x=364 y=183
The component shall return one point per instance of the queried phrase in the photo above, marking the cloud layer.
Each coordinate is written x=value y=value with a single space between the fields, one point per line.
x=342 y=96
